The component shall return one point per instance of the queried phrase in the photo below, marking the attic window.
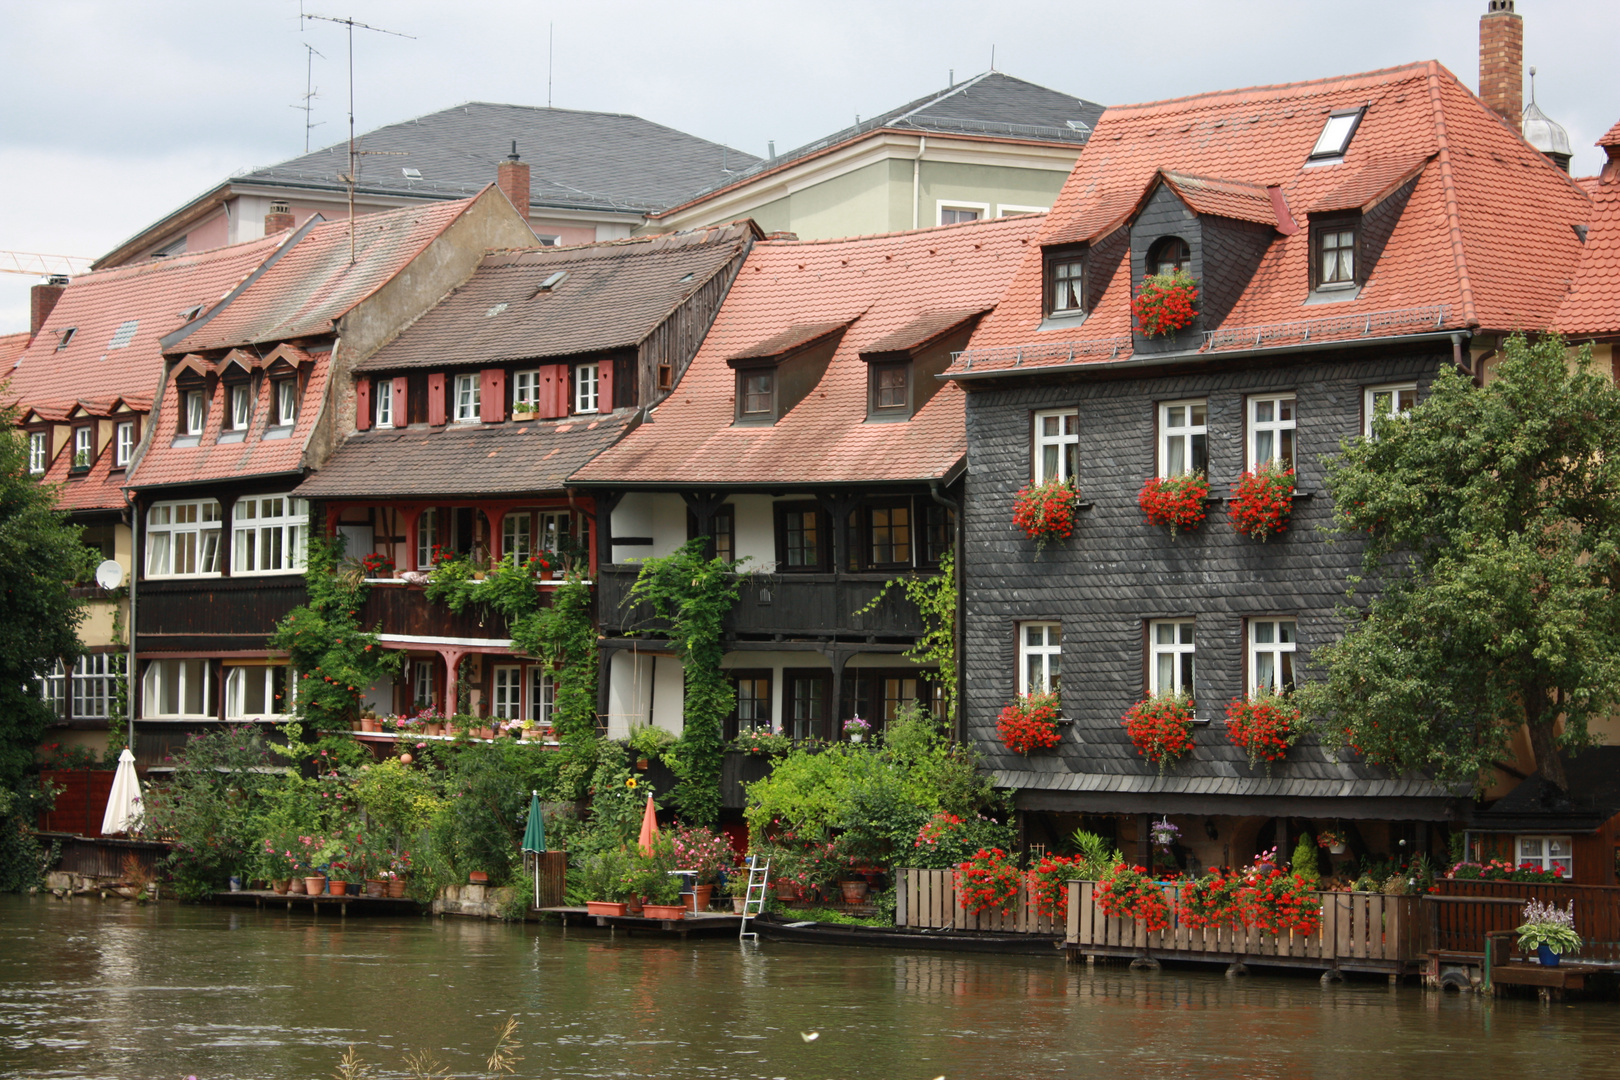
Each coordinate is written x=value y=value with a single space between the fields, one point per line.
x=124 y=334
x=1065 y=283
x=1169 y=255
x=411 y=174
x=1336 y=134
x=66 y=333
x=553 y=281
x=191 y=313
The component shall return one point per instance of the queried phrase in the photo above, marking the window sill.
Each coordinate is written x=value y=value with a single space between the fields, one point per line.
x=1063 y=322
x=181 y=441
x=278 y=433
x=1332 y=294
x=232 y=437
x=181 y=577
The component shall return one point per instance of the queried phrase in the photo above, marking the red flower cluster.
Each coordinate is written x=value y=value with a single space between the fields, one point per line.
x=1127 y=892
x=1502 y=870
x=1045 y=511
x=377 y=565
x=1262 y=501
x=1030 y=723
x=1048 y=884
x=1176 y=501
x=988 y=881
x=1161 y=728
x=1212 y=901
x=1279 y=903
x=1263 y=726
x=1166 y=303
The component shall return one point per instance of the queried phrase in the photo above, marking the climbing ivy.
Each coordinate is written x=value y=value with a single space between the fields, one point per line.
x=564 y=635
x=693 y=595
x=935 y=597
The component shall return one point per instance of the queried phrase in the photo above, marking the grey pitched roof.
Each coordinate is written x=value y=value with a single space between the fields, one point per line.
x=577 y=160
x=1096 y=759
x=613 y=295
x=459 y=461
x=989 y=104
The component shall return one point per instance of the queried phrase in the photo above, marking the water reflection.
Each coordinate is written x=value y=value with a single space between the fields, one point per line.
x=112 y=990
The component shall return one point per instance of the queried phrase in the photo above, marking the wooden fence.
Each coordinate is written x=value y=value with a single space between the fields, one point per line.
x=926 y=900
x=1455 y=925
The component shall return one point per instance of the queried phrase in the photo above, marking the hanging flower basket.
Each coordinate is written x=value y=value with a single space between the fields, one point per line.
x=1262 y=501
x=1127 y=892
x=1177 y=501
x=1164 y=834
x=1161 y=728
x=1045 y=511
x=1030 y=723
x=1263 y=726
x=1166 y=303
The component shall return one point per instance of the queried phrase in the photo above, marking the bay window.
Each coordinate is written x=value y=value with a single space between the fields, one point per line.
x=1040 y=657
x=270 y=532
x=182 y=539
x=178 y=689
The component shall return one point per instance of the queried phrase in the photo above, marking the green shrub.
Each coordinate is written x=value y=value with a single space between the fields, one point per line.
x=213 y=807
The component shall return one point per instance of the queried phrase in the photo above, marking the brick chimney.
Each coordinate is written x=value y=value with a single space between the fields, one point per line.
x=1611 y=147
x=1501 y=61
x=279 y=219
x=42 y=301
x=512 y=177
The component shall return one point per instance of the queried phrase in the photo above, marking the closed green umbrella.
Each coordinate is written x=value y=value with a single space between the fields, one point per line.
x=534 y=837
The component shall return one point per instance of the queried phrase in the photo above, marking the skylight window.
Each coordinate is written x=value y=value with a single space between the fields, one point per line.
x=411 y=174
x=124 y=334
x=67 y=333
x=553 y=281
x=1336 y=134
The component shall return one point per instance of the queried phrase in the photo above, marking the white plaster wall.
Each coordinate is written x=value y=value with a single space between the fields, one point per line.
x=669 y=694
x=379 y=697
x=630 y=691
x=775 y=662
x=756 y=533
x=658 y=514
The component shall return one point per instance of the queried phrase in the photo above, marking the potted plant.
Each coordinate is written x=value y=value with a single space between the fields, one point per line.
x=762 y=742
x=1332 y=839
x=1045 y=511
x=1160 y=727
x=1048 y=883
x=1127 y=892
x=377 y=565
x=1549 y=931
x=737 y=889
x=857 y=729
x=1030 y=723
x=1177 y=501
x=603 y=875
x=661 y=892
x=1262 y=501
x=707 y=854
x=989 y=881
x=651 y=744
x=1264 y=725
x=1166 y=303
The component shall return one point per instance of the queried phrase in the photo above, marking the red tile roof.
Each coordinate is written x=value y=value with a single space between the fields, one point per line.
x=1610 y=137
x=877 y=284
x=98 y=361
x=163 y=463
x=1486 y=238
x=11 y=349
x=314 y=284
x=1593 y=304
x=1223 y=198
x=100 y=488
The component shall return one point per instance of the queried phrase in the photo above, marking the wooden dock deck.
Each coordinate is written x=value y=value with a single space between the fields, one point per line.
x=362 y=904
x=695 y=922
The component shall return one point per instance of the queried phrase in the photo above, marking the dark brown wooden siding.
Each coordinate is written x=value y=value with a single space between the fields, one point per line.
x=675 y=340
x=213 y=614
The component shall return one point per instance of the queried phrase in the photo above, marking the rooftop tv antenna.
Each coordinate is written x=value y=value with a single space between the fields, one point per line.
x=310 y=93
x=354 y=152
x=551 y=55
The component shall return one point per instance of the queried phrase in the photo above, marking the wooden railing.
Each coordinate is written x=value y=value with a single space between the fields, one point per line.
x=926 y=900
x=1356 y=928
x=1454 y=925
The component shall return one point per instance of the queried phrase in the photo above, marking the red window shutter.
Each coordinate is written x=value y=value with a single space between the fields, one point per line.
x=554 y=391
x=401 y=400
x=492 y=395
x=436 y=399
x=362 y=405
x=604 y=386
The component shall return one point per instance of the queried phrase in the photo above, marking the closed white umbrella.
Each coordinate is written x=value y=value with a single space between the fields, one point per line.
x=124 y=802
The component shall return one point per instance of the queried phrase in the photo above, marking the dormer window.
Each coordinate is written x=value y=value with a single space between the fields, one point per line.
x=526 y=391
x=286 y=402
x=382 y=392
x=1336 y=255
x=83 y=448
x=1169 y=255
x=123 y=443
x=757 y=394
x=586 y=378
x=39 y=457
x=889 y=385
x=241 y=406
x=1336 y=134
x=1065 y=283
x=196 y=412
x=65 y=336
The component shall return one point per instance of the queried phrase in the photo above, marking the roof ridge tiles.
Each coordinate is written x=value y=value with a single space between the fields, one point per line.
x=983 y=223
x=1336 y=82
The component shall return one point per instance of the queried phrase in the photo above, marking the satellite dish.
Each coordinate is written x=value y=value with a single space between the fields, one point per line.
x=110 y=574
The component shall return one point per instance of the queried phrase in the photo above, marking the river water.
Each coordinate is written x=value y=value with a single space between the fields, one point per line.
x=90 y=989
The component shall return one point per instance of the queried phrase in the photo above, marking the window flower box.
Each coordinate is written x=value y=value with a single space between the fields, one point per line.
x=1045 y=511
x=1161 y=728
x=1177 y=501
x=1262 y=501
x=1166 y=304
x=1030 y=724
x=1264 y=726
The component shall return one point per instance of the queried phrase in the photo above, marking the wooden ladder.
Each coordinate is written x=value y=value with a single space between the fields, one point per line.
x=754 y=899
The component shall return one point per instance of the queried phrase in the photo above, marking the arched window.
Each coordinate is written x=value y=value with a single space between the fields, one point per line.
x=1168 y=255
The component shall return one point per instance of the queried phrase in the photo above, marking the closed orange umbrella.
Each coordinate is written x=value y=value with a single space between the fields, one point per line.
x=649 y=827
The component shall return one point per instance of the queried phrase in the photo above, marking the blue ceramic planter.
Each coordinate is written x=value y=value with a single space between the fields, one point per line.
x=1546 y=956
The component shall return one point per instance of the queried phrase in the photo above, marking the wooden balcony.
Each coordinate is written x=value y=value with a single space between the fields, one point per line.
x=395 y=608
x=213 y=614
x=789 y=605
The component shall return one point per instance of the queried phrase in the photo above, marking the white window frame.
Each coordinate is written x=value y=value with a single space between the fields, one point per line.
x=95 y=685
x=1268 y=659
x=526 y=390
x=382 y=392
x=553 y=525
x=1044 y=656
x=268 y=529
x=427 y=535
x=1185 y=434
x=422 y=678
x=236 y=683
x=1278 y=428
x=52 y=687
x=469 y=399
x=1064 y=445
x=196 y=404
x=286 y=401
x=150 y=695
x=587 y=384
x=84 y=442
x=1370 y=409
x=39 y=452
x=942 y=205
x=1168 y=641
x=123 y=443
x=1542 y=855
x=517 y=537
x=165 y=536
x=506 y=692
x=1009 y=210
x=542 y=694
x=241 y=406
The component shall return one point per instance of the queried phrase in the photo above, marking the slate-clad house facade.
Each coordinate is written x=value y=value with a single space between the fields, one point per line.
x=468 y=424
x=1349 y=238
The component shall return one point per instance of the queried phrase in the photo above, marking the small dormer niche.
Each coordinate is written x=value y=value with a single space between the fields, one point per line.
x=779 y=372
x=902 y=367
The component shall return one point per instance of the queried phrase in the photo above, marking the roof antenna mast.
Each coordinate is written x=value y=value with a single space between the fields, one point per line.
x=310 y=93
x=551 y=53
x=354 y=152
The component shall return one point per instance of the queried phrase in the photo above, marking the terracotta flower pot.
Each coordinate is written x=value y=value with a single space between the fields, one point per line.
x=314 y=886
x=396 y=888
x=604 y=907
x=642 y=764
x=280 y=887
x=376 y=888
x=663 y=911
x=737 y=903
x=634 y=905
x=702 y=896
x=787 y=891
x=478 y=877
x=368 y=723
x=295 y=887
x=854 y=891
x=338 y=888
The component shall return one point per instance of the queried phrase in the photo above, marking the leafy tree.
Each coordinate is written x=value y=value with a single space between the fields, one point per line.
x=1491 y=523
x=41 y=557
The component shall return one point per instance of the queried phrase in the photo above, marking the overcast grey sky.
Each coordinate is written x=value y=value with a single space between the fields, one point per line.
x=122 y=110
